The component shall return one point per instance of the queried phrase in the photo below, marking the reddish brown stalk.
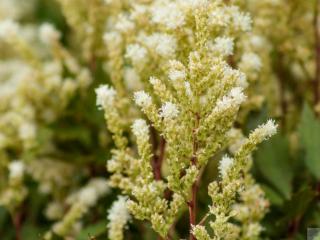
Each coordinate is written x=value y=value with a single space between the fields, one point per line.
x=316 y=85
x=293 y=228
x=158 y=159
x=192 y=204
x=192 y=208
x=158 y=154
x=16 y=220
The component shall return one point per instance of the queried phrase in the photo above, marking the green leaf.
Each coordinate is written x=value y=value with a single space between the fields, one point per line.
x=309 y=132
x=3 y=216
x=299 y=203
x=73 y=133
x=272 y=195
x=31 y=231
x=274 y=163
x=93 y=230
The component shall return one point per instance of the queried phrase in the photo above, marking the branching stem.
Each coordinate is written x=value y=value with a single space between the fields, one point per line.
x=192 y=204
x=159 y=148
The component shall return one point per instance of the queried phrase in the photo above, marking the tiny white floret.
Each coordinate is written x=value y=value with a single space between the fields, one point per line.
x=140 y=128
x=234 y=99
x=48 y=33
x=269 y=128
x=237 y=95
x=16 y=169
x=251 y=61
x=137 y=54
x=105 y=96
x=175 y=75
x=118 y=217
x=225 y=164
x=142 y=99
x=169 y=110
x=224 y=45
x=124 y=24
x=27 y=130
x=88 y=196
x=168 y=15
x=8 y=29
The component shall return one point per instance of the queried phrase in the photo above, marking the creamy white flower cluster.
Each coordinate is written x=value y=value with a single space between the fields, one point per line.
x=80 y=202
x=14 y=192
x=38 y=79
x=182 y=53
x=118 y=216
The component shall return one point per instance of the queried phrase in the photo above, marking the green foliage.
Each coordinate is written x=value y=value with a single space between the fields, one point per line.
x=310 y=139
x=275 y=164
x=94 y=231
x=54 y=143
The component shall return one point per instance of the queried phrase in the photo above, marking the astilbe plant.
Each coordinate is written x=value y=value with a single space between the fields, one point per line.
x=39 y=87
x=40 y=78
x=190 y=104
x=183 y=77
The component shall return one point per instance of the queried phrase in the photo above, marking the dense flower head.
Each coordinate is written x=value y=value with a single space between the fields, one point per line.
x=234 y=99
x=119 y=210
x=251 y=61
x=27 y=130
x=16 y=169
x=268 y=129
x=137 y=54
x=163 y=44
x=105 y=96
x=169 y=110
x=8 y=29
x=140 y=128
x=112 y=37
x=241 y=78
x=219 y=17
x=224 y=45
x=142 y=99
x=225 y=164
x=88 y=196
x=124 y=24
x=48 y=33
x=132 y=79
x=118 y=216
x=175 y=75
x=241 y=20
x=168 y=14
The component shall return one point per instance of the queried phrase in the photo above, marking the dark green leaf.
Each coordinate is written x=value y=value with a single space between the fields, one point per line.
x=93 y=230
x=272 y=195
x=299 y=203
x=31 y=232
x=273 y=161
x=310 y=140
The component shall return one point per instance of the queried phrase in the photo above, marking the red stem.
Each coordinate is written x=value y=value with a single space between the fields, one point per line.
x=193 y=208
x=192 y=204
x=158 y=159
x=16 y=219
